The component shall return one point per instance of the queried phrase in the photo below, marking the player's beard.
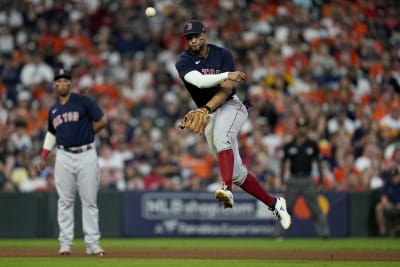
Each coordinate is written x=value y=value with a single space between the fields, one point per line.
x=63 y=91
x=198 y=48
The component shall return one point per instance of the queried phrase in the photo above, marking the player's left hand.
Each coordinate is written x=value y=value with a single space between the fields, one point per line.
x=196 y=120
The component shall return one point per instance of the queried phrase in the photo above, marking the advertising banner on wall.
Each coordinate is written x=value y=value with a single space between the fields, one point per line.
x=191 y=214
x=335 y=206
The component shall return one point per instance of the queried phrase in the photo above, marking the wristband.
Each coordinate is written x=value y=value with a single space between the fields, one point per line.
x=44 y=153
x=208 y=108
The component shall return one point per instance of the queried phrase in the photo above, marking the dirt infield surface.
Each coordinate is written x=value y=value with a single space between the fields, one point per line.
x=255 y=254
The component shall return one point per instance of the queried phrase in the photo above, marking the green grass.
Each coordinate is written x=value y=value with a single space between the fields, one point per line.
x=242 y=243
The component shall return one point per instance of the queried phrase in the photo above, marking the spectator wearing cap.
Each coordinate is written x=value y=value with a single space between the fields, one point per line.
x=299 y=155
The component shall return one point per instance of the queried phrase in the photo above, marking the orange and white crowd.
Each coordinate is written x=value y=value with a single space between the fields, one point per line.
x=337 y=63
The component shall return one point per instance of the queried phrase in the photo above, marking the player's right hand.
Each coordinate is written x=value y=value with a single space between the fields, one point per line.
x=237 y=76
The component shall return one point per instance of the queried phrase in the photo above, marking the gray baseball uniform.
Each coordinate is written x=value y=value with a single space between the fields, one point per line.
x=73 y=120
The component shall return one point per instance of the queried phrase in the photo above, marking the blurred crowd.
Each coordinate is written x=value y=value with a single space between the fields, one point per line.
x=336 y=63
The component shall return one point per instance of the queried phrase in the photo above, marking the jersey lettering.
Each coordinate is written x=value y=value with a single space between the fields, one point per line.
x=210 y=71
x=57 y=121
x=65 y=117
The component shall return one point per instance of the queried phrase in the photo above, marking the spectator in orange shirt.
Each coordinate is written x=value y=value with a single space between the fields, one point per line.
x=199 y=161
x=345 y=173
x=51 y=42
x=77 y=38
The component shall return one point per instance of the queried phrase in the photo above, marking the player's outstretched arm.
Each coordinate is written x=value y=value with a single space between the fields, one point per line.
x=211 y=80
x=237 y=76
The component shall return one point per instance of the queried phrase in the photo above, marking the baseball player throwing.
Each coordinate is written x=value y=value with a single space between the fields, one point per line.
x=73 y=121
x=208 y=73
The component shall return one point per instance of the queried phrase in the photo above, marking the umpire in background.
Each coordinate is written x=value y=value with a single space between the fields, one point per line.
x=299 y=156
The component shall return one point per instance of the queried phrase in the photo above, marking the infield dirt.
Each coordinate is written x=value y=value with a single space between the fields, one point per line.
x=256 y=254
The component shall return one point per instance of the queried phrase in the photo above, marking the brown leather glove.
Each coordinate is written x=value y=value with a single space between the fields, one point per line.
x=196 y=120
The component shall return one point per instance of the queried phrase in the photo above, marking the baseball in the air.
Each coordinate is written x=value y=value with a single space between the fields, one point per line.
x=150 y=11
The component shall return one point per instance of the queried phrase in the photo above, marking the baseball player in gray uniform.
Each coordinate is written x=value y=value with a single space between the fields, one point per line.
x=73 y=120
x=208 y=73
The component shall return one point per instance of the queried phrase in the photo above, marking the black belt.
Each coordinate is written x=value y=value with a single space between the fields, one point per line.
x=76 y=149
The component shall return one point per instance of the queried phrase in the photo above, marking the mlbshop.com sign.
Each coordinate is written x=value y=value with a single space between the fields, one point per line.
x=161 y=214
x=186 y=206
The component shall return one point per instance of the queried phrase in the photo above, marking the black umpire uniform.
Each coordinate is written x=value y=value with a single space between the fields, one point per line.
x=301 y=153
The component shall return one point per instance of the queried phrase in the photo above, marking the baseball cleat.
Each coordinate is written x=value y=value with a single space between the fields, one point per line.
x=65 y=250
x=225 y=196
x=280 y=212
x=95 y=250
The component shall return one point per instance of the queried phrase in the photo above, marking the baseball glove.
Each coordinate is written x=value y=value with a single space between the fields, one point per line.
x=196 y=120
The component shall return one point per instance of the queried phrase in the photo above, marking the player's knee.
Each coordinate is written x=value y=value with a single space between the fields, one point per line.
x=239 y=175
x=238 y=180
x=221 y=145
x=223 y=142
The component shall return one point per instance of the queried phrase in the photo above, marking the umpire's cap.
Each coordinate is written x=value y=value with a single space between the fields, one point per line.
x=193 y=27
x=301 y=122
x=62 y=73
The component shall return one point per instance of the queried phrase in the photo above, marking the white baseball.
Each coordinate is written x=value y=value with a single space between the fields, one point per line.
x=150 y=11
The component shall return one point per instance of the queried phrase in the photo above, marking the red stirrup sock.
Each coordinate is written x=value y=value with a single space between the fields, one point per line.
x=252 y=186
x=225 y=164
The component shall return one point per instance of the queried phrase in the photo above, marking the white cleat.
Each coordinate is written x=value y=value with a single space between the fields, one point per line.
x=225 y=197
x=280 y=212
x=65 y=250
x=95 y=250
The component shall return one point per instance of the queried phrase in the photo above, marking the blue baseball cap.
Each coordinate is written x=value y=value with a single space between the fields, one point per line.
x=62 y=73
x=193 y=27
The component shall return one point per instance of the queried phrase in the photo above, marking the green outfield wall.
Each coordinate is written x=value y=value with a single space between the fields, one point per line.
x=35 y=214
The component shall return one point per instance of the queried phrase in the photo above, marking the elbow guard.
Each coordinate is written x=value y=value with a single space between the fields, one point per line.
x=49 y=141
